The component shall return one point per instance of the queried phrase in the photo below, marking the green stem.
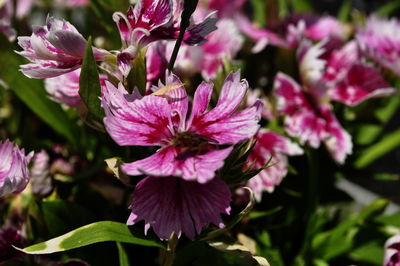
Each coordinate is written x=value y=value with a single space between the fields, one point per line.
x=188 y=9
x=312 y=198
x=168 y=256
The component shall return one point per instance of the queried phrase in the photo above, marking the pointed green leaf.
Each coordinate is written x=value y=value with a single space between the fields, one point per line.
x=90 y=234
x=89 y=83
x=137 y=75
x=388 y=9
x=373 y=152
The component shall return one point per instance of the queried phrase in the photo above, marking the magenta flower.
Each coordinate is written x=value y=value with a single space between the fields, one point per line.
x=310 y=119
x=65 y=88
x=392 y=251
x=14 y=174
x=6 y=13
x=256 y=95
x=338 y=74
x=170 y=204
x=54 y=49
x=150 y=21
x=190 y=142
x=292 y=31
x=380 y=40
x=341 y=74
x=279 y=147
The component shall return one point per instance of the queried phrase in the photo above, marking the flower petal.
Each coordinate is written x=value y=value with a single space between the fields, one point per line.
x=190 y=166
x=362 y=82
x=269 y=144
x=195 y=34
x=339 y=142
x=201 y=100
x=131 y=121
x=68 y=42
x=169 y=204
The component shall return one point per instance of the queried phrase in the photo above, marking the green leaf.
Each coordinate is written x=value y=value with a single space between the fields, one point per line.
x=32 y=93
x=237 y=248
x=259 y=214
x=388 y=9
x=371 y=252
x=392 y=219
x=89 y=83
x=137 y=75
x=123 y=257
x=344 y=11
x=90 y=234
x=388 y=143
x=301 y=6
x=388 y=110
x=367 y=133
x=259 y=12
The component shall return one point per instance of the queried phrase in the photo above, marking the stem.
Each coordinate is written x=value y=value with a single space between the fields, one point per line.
x=189 y=8
x=168 y=256
x=312 y=198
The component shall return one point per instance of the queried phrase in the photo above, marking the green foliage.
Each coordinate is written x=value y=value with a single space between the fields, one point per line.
x=388 y=9
x=90 y=234
x=89 y=83
x=137 y=75
x=123 y=256
x=375 y=151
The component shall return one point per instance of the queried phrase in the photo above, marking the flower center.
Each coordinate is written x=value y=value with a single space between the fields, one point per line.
x=190 y=141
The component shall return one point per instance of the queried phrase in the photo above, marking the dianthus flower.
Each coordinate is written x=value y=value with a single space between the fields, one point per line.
x=392 y=251
x=153 y=20
x=380 y=40
x=14 y=174
x=54 y=49
x=193 y=144
x=340 y=75
x=277 y=147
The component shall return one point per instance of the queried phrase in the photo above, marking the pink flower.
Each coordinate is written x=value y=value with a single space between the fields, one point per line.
x=256 y=95
x=292 y=31
x=40 y=174
x=151 y=21
x=65 y=88
x=279 y=147
x=233 y=10
x=392 y=251
x=341 y=74
x=6 y=13
x=14 y=174
x=54 y=49
x=310 y=119
x=190 y=142
x=170 y=204
x=380 y=40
